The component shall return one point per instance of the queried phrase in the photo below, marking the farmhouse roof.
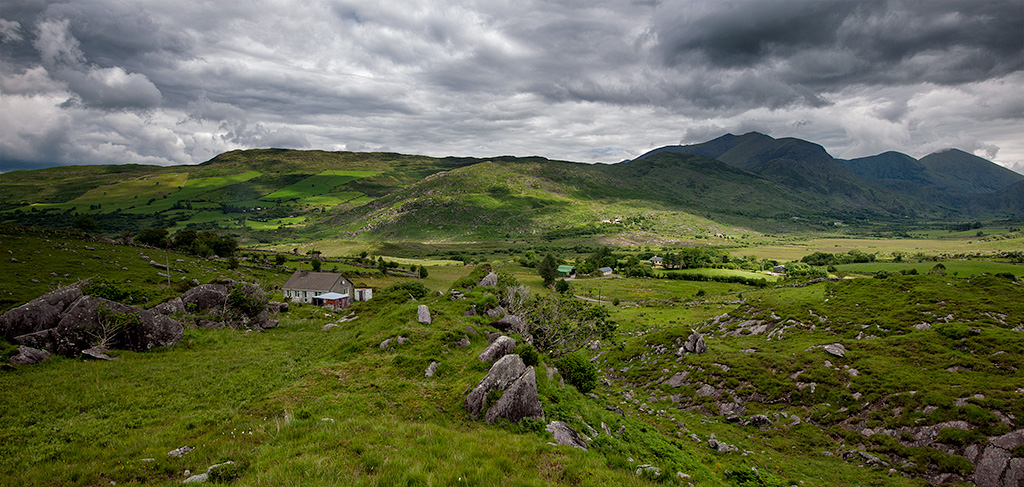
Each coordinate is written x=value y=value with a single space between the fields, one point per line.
x=606 y=270
x=656 y=259
x=566 y=268
x=313 y=280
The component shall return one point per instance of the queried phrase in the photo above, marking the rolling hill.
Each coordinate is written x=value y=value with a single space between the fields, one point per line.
x=752 y=181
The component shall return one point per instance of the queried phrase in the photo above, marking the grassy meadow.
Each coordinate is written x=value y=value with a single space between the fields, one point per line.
x=297 y=405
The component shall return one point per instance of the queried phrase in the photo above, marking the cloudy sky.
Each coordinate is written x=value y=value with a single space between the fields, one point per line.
x=159 y=82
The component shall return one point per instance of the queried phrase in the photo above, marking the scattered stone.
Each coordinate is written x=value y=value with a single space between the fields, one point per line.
x=682 y=476
x=720 y=446
x=492 y=336
x=469 y=329
x=677 y=380
x=496 y=312
x=431 y=369
x=423 y=314
x=501 y=347
x=29 y=356
x=463 y=343
x=519 y=401
x=197 y=479
x=385 y=344
x=759 y=420
x=606 y=429
x=470 y=312
x=616 y=410
x=178 y=452
x=836 y=349
x=96 y=354
x=490 y=280
x=595 y=345
x=694 y=344
x=648 y=470
x=332 y=325
x=401 y=341
x=565 y=435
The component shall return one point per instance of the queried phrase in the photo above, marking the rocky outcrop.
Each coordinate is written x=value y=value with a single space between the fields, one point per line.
x=693 y=344
x=29 y=356
x=93 y=321
x=490 y=280
x=565 y=435
x=501 y=375
x=170 y=307
x=510 y=324
x=205 y=296
x=500 y=347
x=519 y=401
x=44 y=340
x=423 y=314
x=39 y=314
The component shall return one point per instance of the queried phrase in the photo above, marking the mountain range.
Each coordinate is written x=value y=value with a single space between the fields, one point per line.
x=751 y=180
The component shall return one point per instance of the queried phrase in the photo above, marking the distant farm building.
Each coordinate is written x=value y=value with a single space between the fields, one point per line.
x=566 y=270
x=779 y=269
x=363 y=293
x=319 y=288
x=606 y=271
x=657 y=260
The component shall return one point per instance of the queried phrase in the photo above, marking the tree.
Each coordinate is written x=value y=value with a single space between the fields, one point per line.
x=280 y=259
x=423 y=272
x=154 y=237
x=559 y=324
x=561 y=286
x=316 y=265
x=548 y=270
x=382 y=266
x=85 y=224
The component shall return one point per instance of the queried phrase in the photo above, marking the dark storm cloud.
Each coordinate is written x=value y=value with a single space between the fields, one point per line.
x=828 y=45
x=103 y=81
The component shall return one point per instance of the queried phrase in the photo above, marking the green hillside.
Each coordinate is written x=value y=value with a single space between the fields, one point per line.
x=932 y=367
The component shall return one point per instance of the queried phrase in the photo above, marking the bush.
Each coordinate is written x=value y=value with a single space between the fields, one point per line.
x=529 y=354
x=226 y=473
x=953 y=436
x=578 y=371
x=403 y=289
x=107 y=289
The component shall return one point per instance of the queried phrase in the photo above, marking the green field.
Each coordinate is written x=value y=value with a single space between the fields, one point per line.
x=317 y=185
x=297 y=405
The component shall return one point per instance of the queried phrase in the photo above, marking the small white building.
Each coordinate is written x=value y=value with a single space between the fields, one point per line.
x=363 y=293
x=606 y=271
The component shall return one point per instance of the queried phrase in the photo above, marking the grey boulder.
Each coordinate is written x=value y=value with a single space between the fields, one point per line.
x=497 y=349
x=92 y=321
x=565 y=435
x=39 y=314
x=519 y=401
x=501 y=375
x=206 y=296
x=29 y=356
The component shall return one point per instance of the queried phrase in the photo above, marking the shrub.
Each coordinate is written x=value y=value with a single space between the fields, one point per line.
x=578 y=371
x=226 y=473
x=107 y=289
x=402 y=289
x=958 y=437
x=529 y=354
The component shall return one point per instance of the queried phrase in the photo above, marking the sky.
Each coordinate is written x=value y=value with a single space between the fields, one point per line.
x=159 y=82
